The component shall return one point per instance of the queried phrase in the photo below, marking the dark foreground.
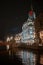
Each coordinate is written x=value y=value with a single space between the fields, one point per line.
x=7 y=60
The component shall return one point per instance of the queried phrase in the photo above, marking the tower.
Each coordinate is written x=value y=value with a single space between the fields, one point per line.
x=28 y=28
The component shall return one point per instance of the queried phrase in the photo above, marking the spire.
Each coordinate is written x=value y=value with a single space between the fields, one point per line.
x=31 y=13
x=31 y=7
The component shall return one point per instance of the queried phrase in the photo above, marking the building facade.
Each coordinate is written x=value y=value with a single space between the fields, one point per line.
x=28 y=29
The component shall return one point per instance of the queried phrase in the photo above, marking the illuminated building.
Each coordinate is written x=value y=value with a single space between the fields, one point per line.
x=28 y=29
x=8 y=39
x=18 y=38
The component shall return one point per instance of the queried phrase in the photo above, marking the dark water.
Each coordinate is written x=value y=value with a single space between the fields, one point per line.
x=22 y=57
x=30 y=57
x=6 y=60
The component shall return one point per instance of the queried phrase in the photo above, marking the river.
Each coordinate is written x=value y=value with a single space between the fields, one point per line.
x=30 y=58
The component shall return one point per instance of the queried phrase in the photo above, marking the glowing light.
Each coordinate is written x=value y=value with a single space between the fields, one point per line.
x=11 y=37
x=30 y=13
x=8 y=39
x=7 y=47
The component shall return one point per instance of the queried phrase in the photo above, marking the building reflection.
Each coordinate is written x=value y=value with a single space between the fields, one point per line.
x=27 y=57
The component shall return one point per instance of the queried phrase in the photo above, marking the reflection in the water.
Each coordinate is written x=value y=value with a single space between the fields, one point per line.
x=41 y=59
x=28 y=58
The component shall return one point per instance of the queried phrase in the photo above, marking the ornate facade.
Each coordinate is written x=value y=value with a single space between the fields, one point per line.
x=28 y=29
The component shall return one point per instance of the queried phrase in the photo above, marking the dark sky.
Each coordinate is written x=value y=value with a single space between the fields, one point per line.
x=14 y=13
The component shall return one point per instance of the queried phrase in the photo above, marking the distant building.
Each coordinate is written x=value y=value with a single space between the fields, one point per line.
x=28 y=29
x=18 y=38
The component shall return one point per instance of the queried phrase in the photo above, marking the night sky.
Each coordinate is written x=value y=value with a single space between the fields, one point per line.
x=14 y=13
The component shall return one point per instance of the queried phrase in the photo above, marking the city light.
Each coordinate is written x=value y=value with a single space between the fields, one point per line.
x=41 y=35
x=9 y=38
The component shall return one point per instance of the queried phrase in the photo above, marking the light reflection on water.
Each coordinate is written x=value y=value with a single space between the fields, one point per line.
x=28 y=58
